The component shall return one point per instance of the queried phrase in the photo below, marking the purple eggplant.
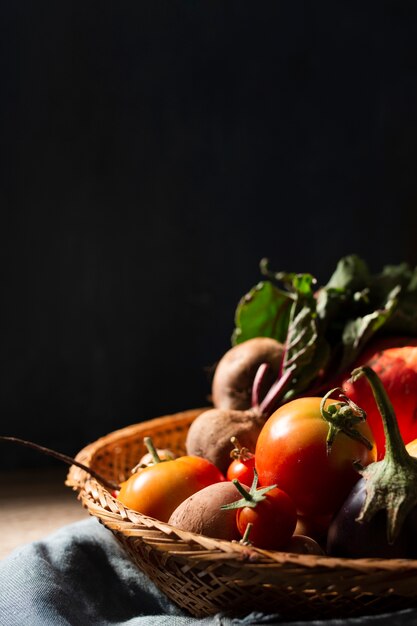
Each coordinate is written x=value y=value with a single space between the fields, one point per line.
x=379 y=517
x=352 y=539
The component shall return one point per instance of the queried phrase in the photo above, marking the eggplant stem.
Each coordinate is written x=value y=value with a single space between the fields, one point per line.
x=394 y=444
x=391 y=483
x=62 y=457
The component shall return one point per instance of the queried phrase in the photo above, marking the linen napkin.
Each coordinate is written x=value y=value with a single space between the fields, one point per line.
x=80 y=576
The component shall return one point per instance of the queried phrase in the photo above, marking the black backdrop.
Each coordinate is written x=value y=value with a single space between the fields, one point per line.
x=151 y=153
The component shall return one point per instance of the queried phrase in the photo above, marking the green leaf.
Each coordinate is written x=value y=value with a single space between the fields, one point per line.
x=329 y=302
x=301 y=284
x=263 y=312
x=310 y=371
x=306 y=353
x=335 y=322
x=357 y=332
x=404 y=319
x=351 y=274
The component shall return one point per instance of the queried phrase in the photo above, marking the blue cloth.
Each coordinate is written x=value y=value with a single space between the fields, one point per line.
x=80 y=576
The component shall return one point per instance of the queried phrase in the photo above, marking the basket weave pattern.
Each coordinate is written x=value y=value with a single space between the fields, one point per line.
x=204 y=575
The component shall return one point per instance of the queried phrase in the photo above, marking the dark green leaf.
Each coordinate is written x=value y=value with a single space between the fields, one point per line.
x=312 y=370
x=329 y=302
x=351 y=274
x=404 y=318
x=305 y=352
x=358 y=332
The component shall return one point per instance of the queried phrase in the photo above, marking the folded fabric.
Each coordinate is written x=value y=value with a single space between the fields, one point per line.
x=80 y=576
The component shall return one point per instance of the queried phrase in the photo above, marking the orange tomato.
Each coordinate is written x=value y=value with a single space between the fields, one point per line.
x=158 y=489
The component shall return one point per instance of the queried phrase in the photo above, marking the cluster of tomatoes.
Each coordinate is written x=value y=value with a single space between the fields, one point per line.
x=292 y=452
x=300 y=479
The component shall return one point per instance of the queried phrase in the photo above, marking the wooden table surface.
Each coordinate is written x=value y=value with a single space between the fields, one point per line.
x=33 y=504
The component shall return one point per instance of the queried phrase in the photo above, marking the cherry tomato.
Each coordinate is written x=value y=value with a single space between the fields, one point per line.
x=242 y=465
x=158 y=489
x=273 y=520
x=242 y=470
x=291 y=452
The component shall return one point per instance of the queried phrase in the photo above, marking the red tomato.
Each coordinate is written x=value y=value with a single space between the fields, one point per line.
x=397 y=369
x=158 y=489
x=242 y=469
x=291 y=452
x=273 y=520
x=242 y=465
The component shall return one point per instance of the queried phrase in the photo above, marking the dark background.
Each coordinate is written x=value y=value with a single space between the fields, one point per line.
x=151 y=154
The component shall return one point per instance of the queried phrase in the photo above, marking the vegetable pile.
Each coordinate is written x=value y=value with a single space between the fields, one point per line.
x=305 y=450
x=311 y=444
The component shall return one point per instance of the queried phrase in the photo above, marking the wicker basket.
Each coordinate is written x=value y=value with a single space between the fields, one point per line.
x=205 y=576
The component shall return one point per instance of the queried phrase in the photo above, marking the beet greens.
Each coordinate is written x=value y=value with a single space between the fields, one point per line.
x=324 y=329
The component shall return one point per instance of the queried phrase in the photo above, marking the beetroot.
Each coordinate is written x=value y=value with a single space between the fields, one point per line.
x=235 y=372
x=210 y=433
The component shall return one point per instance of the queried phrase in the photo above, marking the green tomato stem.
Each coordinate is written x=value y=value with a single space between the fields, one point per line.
x=250 y=498
x=245 y=539
x=245 y=494
x=152 y=450
x=342 y=416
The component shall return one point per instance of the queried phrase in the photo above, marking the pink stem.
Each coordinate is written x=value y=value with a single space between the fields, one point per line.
x=257 y=383
x=275 y=393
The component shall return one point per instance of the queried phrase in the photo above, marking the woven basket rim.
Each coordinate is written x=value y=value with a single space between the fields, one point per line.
x=130 y=521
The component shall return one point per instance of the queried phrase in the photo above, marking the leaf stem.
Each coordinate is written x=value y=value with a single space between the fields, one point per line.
x=275 y=393
x=257 y=383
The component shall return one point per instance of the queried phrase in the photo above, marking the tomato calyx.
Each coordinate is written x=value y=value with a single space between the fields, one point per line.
x=240 y=453
x=391 y=484
x=342 y=416
x=249 y=498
